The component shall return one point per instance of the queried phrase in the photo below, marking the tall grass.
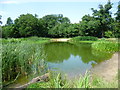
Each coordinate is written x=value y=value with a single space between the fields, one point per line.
x=56 y=81
x=83 y=82
x=106 y=46
x=33 y=39
x=21 y=58
x=0 y=63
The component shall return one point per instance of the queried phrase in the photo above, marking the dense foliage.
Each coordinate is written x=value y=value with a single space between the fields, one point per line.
x=0 y=20
x=21 y=57
x=99 y=24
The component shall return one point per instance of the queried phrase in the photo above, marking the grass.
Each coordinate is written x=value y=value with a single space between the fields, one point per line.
x=101 y=83
x=86 y=42
x=103 y=44
x=29 y=40
x=107 y=46
x=83 y=82
x=84 y=38
x=22 y=57
x=55 y=81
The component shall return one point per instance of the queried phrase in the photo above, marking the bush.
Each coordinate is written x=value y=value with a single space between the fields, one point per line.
x=88 y=38
x=85 y=38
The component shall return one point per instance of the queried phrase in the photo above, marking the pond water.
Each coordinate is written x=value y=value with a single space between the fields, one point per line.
x=68 y=58
x=72 y=59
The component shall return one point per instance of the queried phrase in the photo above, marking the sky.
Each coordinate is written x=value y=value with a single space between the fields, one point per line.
x=73 y=9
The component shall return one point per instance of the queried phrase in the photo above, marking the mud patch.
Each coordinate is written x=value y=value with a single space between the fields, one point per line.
x=108 y=69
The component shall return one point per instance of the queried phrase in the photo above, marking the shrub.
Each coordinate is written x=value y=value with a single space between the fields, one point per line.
x=85 y=38
x=88 y=38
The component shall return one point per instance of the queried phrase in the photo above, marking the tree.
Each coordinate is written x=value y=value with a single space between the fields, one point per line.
x=118 y=13
x=26 y=25
x=52 y=21
x=0 y=19
x=9 y=21
x=0 y=27
x=42 y=30
x=7 y=30
x=64 y=30
x=117 y=22
x=89 y=26
x=104 y=16
x=60 y=30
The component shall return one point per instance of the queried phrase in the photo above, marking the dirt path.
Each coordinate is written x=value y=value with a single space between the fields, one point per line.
x=108 y=69
x=61 y=39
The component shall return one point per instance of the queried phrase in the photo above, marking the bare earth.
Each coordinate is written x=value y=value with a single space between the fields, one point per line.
x=61 y=39
x=108 y=69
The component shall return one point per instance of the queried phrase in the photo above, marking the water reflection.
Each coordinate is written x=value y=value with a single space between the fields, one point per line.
x=57 y=52
x=73 y=58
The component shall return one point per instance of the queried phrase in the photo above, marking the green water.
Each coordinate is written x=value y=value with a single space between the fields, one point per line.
x=72 y=59
x=68 y=58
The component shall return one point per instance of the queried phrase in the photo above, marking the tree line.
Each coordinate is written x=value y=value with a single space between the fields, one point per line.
x=99 y=24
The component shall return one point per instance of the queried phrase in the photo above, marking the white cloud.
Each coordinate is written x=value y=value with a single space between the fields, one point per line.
x=67 y=0
x=8 y=2
x=27 y=1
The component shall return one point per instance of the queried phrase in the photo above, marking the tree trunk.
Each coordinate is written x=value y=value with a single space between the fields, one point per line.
x=42 y=78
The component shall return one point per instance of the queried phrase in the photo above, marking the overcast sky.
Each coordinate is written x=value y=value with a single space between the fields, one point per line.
x=73 y=9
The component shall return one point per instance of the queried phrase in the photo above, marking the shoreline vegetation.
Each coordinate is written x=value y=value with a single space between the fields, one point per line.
x=13 y=46
x=107 y=79
x=89 y=80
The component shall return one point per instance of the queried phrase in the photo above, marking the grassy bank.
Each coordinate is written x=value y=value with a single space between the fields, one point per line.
x=103 y=44
x=84 y=39
x=107 y=46
x=28 y=40
x=22 y=57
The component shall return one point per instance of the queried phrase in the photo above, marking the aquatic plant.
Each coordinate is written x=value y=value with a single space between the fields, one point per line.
x=21 y=59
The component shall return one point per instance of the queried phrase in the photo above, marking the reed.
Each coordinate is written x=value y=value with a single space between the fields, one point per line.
x=21 y=58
